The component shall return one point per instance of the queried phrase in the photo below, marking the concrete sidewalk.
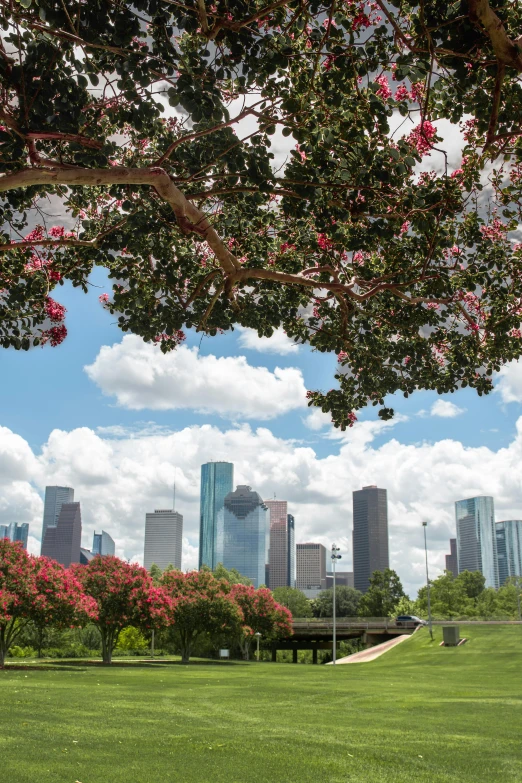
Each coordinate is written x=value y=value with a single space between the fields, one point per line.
x=373 y=652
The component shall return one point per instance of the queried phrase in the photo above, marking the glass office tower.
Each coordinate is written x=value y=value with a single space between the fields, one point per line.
x=103 y=544
x=509 y=549
x=217 y=480
x=476 y=538
x=55 y=497
x=242 y=534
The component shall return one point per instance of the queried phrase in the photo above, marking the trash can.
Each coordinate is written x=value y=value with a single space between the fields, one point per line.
x=450 y=635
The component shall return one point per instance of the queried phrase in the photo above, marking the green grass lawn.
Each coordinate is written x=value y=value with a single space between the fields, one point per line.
x=420 y=713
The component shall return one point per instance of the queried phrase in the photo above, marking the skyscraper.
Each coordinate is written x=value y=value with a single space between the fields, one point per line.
x=281 y=552
x=55 y=497
x=242 y=534
x=18 y=532
x=217 y=480
x=103 y=544
x=163 y=539
x=452 y=564
x=4 y=531
x=509 y=549
x=62 y=541
x=370 y=535
x=476 y=538
x=310 y=559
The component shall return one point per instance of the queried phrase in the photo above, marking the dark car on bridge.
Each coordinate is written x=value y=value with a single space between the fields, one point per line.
x=408 y=620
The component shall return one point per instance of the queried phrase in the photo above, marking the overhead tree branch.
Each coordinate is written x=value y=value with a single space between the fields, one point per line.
x=189 y=217
x=507 y=51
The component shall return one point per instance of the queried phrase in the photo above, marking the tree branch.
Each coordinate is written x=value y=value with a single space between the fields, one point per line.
x=189 y=217
x=506 y=50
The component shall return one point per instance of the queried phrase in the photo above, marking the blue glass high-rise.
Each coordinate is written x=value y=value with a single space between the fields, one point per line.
x=476 y=537
x=509 y=549
x=242 y=534
x=217 y=480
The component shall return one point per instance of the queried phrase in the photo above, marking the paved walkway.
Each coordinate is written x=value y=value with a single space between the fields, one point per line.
x=373 y=652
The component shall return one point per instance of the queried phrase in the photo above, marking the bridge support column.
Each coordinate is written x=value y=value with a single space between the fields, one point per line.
x=314 y=655
x=294 y=656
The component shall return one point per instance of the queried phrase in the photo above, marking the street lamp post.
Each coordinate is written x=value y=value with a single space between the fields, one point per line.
x=425 y=525
x=258 y=637
x=334 y=557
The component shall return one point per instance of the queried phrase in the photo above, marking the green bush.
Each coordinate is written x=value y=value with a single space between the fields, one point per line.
x=22 y=652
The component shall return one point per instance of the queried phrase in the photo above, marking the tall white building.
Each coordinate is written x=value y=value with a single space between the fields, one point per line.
x=163 y=539
x=310 y=568
x=55 y=497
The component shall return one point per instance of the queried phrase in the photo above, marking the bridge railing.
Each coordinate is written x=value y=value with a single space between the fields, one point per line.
x=355 y=623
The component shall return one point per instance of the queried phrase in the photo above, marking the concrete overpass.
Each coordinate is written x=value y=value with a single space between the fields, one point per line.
x=317 y=634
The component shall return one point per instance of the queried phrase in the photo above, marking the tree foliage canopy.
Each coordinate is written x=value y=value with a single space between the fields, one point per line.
x=153 y=123
x=383 y=595
x=347 y=600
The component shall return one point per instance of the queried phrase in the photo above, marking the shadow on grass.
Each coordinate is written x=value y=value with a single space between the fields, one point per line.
x=69 y=664
x=38 y=667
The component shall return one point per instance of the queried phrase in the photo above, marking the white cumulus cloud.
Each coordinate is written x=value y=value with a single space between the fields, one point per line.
x=509 y=383
x=140 y=376
x=278 y=343
x=118 y=479
x=445 y=409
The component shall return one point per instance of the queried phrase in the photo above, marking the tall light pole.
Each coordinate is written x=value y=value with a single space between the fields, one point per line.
x=258 y=637
x=425 y=525
x=335 y=557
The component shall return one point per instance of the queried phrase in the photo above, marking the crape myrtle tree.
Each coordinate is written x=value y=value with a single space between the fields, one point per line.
x=261 y=614
x=150 y=125
x=125 y=596
x=201 y=605
x=39 y=590
x=60 y=601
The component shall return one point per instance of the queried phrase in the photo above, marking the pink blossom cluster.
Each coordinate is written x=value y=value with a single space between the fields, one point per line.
x=103 y=298
x=384 y=90
x=422 y=136
x=54 y=336
x=469 y=130
x=516 y=333
x=417 y=91
x=496 y=231
x=452 y=252
x=176 y=338
x=352 y=418
x=323 y=242
x=439 y=352
x=342 y=356
x=401 y=93
x=301 y=153
x=54 y=310
x=359 y=257
x=286 y=247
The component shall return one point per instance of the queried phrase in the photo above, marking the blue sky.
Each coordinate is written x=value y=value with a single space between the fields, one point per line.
x=62 y=425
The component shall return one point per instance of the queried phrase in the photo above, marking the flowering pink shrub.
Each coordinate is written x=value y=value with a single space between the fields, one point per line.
x=200 y=604
x=39 y=590
x=125 y=595
x=261 y=614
